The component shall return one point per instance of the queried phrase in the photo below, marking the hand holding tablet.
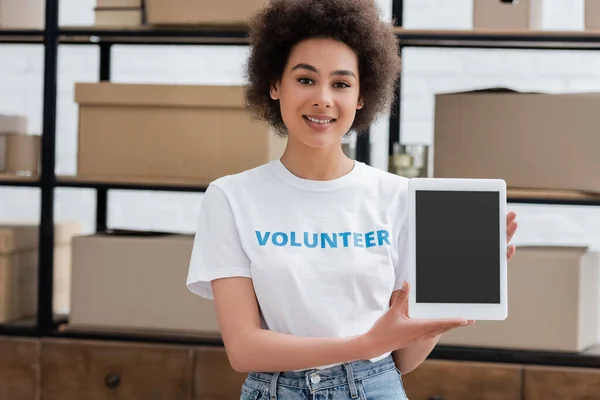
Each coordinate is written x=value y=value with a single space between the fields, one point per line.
x=458 y=248
x=395 y=330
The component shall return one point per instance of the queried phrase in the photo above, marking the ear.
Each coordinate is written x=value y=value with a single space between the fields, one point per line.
x=275 y=91
x=360 y=103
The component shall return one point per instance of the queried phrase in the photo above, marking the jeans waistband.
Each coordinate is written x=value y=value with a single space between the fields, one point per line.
x=317 y=379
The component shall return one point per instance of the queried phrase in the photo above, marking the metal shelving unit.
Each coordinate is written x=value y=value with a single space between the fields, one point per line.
x=48 y=324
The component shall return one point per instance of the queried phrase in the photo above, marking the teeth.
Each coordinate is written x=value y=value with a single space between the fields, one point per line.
x=319 y=121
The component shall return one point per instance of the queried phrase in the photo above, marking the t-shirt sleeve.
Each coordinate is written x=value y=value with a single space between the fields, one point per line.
x=217 y=250
x=402 y=267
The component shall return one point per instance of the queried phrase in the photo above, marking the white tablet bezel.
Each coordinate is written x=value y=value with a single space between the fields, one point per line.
x=446 y=310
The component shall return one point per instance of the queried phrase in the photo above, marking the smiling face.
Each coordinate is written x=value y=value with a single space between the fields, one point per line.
x=319 y=92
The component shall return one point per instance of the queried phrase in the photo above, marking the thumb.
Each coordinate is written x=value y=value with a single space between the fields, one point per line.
x=402 y=296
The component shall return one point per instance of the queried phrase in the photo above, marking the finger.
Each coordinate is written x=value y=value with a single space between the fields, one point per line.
x=442 y=325
x=401 y=300
x=510 y=217
x=511 y=229
x=511 y=251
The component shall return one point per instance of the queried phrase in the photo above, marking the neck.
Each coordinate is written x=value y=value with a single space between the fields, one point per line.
x=319 y=164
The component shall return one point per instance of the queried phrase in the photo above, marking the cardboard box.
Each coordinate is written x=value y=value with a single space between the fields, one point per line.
x=507 y=14
x=13 y=123
x=22 y=14
x=592 y=15
x=111 y=17
x=553 y=303
x=136 y=281
x=22 y=154
x=9 y=124
x=201 y=12
x=19 y=243
x=168 y=133
x=531 y=140
x=18 y=286
x=118 y=3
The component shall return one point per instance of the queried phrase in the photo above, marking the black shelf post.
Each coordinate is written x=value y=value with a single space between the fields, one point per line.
x=394 y=121
x=45 y=319
x=102 y=193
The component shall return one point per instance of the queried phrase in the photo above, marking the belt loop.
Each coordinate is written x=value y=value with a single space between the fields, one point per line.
x=273 y=388
x=351 y=382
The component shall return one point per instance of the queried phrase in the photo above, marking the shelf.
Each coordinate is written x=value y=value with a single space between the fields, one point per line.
x=586 y=359
x=513 y=195
x=237 y=35
x=209 y=35
x=16 y=180
x=122 y=184
x=21 y=36
x=499 y=39
x=143 y=336
x=552 y=197
x=25 y=327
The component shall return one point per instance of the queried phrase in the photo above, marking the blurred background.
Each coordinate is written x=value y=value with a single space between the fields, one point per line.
x=104 y=307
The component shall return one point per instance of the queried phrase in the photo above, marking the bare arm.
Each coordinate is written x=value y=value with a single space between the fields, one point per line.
x=251 y=348
x=410 y=357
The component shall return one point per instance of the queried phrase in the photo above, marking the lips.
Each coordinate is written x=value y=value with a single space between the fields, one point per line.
x=319 y=123
x=319 y=119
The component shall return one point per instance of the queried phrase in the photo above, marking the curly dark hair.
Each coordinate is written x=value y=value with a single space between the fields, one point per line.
x=281 y=24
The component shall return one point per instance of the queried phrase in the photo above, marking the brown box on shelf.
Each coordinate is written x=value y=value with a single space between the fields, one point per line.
x=19 y=263
x=118 y=17
x=201 y=12
x=119 y=4
x=592 y=15
x=531 y=140
x=553 y=303
x=136 y=281
x=506 y=15
x=22 y=154
x=22 y=14
x=10 y=124
x=163 y=134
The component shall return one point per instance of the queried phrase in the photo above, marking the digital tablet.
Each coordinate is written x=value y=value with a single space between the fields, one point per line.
x=458 y=244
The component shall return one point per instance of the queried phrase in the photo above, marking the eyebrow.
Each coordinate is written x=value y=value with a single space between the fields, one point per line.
x=339 y=72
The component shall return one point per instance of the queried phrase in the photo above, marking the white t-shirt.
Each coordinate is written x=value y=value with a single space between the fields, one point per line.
x=324 y=256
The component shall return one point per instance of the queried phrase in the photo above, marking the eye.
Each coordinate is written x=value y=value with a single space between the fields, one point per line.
x=305 y=81
x=341 y=85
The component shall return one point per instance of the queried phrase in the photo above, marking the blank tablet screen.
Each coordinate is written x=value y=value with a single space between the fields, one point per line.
x=457 y=247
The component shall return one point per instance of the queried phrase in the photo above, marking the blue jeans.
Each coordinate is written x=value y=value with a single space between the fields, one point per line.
x=359 y=380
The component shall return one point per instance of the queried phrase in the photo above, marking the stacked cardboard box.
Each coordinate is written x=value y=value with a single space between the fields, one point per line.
x=534 y=141
x=119 y=13
x=553 y=299
x=592 y=15
x=19 y=152
x=201 y=12
x=22 y=14
x=165 y=134
x=19 y=244
x=507 y=14
x=117 y=277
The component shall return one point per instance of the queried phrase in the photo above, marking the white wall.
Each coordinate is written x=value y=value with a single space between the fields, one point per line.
x=426 y=71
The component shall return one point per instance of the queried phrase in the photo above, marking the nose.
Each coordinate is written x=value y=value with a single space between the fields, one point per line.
x=323 y=98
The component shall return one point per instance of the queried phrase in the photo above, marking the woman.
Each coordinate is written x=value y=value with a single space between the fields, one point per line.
x=305 y=256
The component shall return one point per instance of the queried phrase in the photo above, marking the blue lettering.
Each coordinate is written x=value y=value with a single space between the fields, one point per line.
x=358 y=238
x=332 y=241
x=293 y=242
x=370 y=239
x=324 y=239
x=315 y=240
x=344 y=236
x=262 y=240
x=383 y=236
x=284 y=239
